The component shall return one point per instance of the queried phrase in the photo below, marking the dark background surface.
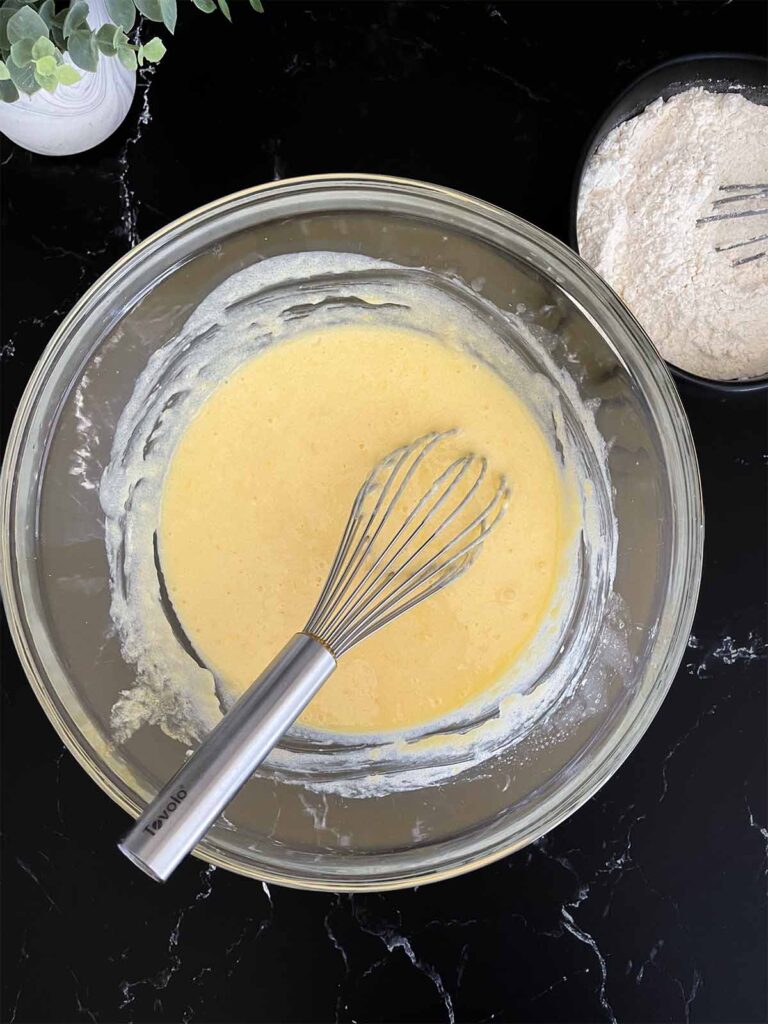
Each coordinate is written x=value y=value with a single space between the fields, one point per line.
x=650 y=903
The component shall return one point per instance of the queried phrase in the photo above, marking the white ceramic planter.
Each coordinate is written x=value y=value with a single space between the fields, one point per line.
x=76 y=117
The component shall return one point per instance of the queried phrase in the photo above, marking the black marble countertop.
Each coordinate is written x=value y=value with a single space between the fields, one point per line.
x=649 y=904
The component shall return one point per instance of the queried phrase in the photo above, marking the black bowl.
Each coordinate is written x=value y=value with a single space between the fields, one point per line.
x=719 y=72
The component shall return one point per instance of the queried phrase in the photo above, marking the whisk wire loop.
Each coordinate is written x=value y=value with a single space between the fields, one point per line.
x=335 y=587
x=366 y=588
x=381 y=569
x=446 y=572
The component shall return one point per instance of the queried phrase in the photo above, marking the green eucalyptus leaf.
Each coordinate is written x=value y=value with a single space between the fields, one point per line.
x=224 y=8
x=154 y=50
x=7 y=11
x=5 y=15
x=21 y=52
x=122 y=13
x=5 y=42
x=104 y=36
x=150 y=9
x=83 y=50
x=257 y=6
x=5 y=75
x=46 y=11
x=205 y=5
x=76 y=18
x=42 y=47
x=22 y=78
x=57 y=34
x=8 y=92
x=47 y=82
x=46 y=66
x=119 y=38
x=168 y=8
x=127 y=57
x=67 y=75
x=25 y=23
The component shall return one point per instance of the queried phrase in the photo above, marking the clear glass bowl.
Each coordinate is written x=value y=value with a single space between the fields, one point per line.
x=55 y=579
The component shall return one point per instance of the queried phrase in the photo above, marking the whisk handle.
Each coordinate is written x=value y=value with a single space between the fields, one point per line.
x=188 y=805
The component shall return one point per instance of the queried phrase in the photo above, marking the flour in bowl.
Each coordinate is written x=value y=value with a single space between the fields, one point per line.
x=655 y=219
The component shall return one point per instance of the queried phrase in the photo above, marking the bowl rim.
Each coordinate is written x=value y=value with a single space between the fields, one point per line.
x=605 y=123
x=687 y=544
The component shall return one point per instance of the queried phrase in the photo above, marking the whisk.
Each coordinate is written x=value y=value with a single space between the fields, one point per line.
x=744 y=194
x=412 y=530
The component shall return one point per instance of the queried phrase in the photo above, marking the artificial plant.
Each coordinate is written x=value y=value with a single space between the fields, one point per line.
x=36 y=37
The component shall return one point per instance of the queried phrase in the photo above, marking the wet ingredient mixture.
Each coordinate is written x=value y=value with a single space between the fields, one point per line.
x=259 y=488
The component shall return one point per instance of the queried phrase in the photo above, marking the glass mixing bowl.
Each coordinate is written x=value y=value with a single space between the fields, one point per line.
x=55 y=577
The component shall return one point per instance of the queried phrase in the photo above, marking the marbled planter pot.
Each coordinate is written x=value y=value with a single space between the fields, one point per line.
x=76 y=117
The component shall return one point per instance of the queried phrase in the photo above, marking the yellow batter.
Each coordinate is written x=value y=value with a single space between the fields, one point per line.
x=260 y=487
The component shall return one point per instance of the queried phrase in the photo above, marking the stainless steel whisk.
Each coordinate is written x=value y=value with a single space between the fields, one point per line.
x=404 y=541
x=756 y=193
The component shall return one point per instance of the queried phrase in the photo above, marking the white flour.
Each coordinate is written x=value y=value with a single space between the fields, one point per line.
x=642 y=193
